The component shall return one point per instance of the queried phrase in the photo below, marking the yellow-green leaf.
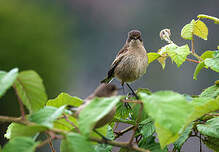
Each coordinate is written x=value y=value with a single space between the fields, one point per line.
x=187 y=30
x=200 y=29
x=152 y=56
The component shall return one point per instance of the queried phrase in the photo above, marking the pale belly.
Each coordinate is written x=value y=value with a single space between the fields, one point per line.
x=131 y=68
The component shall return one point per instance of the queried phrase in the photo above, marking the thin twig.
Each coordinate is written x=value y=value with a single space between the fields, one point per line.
x=191 y=60
x=21 y=105
x=43 y=143
x=119 y=144
x=212 y=114
x=50 y=143
x=200 y=140
x=113 y=143
x=120 y=133
x=193 y=50
x=132 y=101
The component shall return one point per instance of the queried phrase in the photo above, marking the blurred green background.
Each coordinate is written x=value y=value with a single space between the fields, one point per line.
x=71 y=43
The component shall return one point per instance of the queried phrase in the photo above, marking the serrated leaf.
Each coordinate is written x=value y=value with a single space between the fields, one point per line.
x=187 y=31
x=64 y=99
x=200 y=29
x=7 y=80
x=215 y=19
x=94 y=111
x=74 y=142
x=198 y=69
x=15 y=130
x=211 y=92
x=152 y=56
x=179 y=54
x=210 y=128
x=213 y=63
x=20 y=144
x=164 y=55
x=31 y=91
x=170 y=112
x=147 y=128
x=182 y=139
x=46 y=116
x=122 y=111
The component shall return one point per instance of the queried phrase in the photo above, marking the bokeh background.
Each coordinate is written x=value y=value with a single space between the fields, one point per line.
x=71 y=44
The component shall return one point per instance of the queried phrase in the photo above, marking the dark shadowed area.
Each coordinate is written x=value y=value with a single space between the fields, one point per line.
x=71 y=44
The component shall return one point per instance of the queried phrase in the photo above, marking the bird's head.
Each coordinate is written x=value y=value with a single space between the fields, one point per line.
x=134 y=38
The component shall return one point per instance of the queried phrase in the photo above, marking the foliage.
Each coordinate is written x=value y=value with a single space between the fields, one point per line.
x=167 y=115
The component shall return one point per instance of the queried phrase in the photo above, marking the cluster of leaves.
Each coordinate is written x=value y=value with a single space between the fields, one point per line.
x=178 y=54
x=169 y=116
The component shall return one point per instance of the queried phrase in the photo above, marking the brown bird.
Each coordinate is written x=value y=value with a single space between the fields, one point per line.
x=103 y=90
x=131 y=61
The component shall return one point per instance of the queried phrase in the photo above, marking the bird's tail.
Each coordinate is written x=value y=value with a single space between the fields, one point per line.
x=107 y=80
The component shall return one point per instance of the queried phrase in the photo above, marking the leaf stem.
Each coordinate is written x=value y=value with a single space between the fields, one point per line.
x=120 y=133
x=21 y=105
x=191 y=60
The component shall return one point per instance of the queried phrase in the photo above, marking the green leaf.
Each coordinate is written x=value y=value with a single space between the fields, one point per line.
x=64 y=99
x=210 y=128
x=164 y=55
x=94 y=111
x=62 y=124
x=152 y=56
x=20 y=144
x=150 y=144
x=144 y=90
x=207 y=54
x=170 y=112
x=15 y=130
x=198 y=69
x=211 y=92
x=213 y=63
x=179 y=54
x=187 y=31
x=7 y=80
x=215 y=19
x=147 y=128
x=182 y=139
x=162 y=61
x=74 y=142
x=203 y=105
x=122 y=111
x=212 y=143
x=105 y=147
x=30 y=89
x=46 y=116
x=200 y=29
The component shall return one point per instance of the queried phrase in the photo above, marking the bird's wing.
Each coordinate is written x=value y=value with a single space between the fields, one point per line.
x=110 y=74
x=118 y=59
x=123 y=50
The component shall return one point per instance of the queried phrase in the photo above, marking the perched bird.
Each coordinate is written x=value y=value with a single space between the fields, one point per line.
x=131 y=61
x=103 y=90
